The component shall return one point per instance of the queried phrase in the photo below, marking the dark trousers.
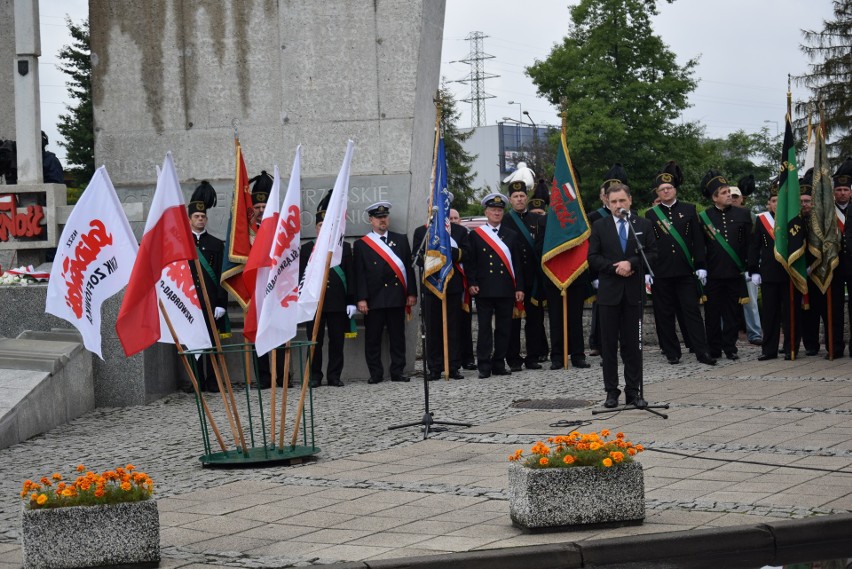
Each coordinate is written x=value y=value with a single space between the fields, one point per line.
x=466 y=335
x=672 y=296
x=773 y=321
x=620 y=327
x=721 y=309
x=534 y=332
x=336 y=323
x=433 y=314
x=375 y=322
x=838 y=284
x=594 y=329
x=576 y=348
x=492 y=343
x=811 y=318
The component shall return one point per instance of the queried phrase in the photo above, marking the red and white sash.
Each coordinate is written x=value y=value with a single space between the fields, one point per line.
x=386 y=253
x=499 y=247
x=841 y=220
x=768 y=223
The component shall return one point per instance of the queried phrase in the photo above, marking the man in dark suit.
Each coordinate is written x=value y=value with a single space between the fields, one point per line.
x=433 y=311
x=526 y=225
x=614 y=256
x=337 y=308
x=679 y=267
x=385 y=290
x=468 y=357
x=211 y=251
x=727 y=232
x=842 y=181
x=496 y=281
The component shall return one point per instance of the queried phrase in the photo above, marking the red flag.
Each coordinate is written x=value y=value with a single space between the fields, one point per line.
x=237 y=241
x=167 y=239
x=257 y=267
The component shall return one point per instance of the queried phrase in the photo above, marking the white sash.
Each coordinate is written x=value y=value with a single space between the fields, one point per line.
x=495 y=241
x=768 y=217
x=841 y=217
x=374 y=237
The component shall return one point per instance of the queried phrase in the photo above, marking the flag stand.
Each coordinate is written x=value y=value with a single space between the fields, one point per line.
x=264 y=454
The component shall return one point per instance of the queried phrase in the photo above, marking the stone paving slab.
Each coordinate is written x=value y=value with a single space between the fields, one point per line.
x=378 y=494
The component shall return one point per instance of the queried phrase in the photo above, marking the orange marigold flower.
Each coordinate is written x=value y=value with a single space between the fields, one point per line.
x=639 y=448
x=631 y=451
x=605 y=433
x=594 y=446
x=60 y=487
x=568 y=459
x=544 y=461
x=607 y=462
x=617 y=456
x=619 y=435
x=80 y=468
x=41 y=500
x=85 y=485
x=99 y=493
x=126 y=486
x=33 y=496
x=46 y=481
x=130 y=467
x=57 y=476
x=68 y=492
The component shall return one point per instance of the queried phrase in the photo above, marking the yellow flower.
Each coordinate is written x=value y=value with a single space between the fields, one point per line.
x=41 y=500
x=607 y=462
x=594 y=446
x=68 y=492
x=543 y=461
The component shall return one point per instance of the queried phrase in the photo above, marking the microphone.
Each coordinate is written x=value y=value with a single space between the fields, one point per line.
x=432 y=214
x=622 y=212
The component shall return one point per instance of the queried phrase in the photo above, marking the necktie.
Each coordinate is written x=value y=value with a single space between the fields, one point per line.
x=384 y=239
x=622 y=234
x=494 y=229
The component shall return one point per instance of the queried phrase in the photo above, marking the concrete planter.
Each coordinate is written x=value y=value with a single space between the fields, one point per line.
x=554 y=498
x=91 y=536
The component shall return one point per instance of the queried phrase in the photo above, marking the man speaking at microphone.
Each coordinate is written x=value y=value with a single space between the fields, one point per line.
x=614 y=255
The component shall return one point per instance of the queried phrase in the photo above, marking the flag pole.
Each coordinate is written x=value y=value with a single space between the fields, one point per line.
x=439 y=110
x=273 y=363
x=563 y=130
x=221 y=360
x=192 y=378
x=446 y=336
x=792 y=330
x=306 y=376
x=285 y=383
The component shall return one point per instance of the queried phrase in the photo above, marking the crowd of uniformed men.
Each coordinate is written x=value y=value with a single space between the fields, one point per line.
x=713 y=257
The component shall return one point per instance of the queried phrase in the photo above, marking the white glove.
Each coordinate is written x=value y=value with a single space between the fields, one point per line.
x=351 y=310
x=218 y=312
x=755 y=279
x=649 y=280
x=702 y=276
x=596 y=283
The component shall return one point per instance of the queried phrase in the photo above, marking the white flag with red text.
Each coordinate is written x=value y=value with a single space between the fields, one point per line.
x=94 y=258
x=330 y=239
x=279 y=315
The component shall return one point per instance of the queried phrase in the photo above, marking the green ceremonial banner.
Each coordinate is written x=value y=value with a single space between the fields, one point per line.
x=789 y=229
x=823 y=234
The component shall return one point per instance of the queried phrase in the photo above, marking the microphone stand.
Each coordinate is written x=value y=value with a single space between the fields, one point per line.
x=428 y=421
x=643 y=406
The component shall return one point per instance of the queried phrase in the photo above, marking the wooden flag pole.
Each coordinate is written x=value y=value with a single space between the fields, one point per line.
x=306 y=377
x=565 y=328
x=446 y=336
x=221 y=360
x=830 y=330
x=792 y=333
x=192 y=378
x=285 y=383
x=273 y=362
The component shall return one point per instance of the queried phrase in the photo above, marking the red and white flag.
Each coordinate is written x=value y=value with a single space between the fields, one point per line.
x=279 y=311
x=330 y=238
x=167 y=239
x=93 y=260
x=259 y=262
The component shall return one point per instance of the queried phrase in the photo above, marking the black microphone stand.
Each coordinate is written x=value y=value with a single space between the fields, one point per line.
x=428 y=421
x=643 y=405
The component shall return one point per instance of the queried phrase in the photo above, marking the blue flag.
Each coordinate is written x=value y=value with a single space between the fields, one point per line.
x=438 y=266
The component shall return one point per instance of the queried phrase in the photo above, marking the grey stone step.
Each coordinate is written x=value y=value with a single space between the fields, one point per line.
x=36 y=353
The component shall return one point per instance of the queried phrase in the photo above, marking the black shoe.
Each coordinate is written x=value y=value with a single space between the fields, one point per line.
x=674 y=361
x=580 y=363
x=706 y=359
x=732 y=356
x=555 y=365
x=532 y=365
x=515 y=367
x=433 y=376
x=456 y=374
x=811 y=352
x=611 y=401
x=469 y=366
x=401 y=379
x=716 y=355
x=638 y=402
x=757 y=342
x=764 y=357
x=337 y=383
x=484 y=374
x=501 y=371
x=542 y=358
x=376 y=380
x=314 y=384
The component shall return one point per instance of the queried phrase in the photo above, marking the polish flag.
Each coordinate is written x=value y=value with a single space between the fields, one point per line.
x=167 y=239
x=279 y=310
x=330 y=238
x=258 y=264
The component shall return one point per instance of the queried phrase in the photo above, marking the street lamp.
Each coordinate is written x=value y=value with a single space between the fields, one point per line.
x=520 y=120
x=536 y=154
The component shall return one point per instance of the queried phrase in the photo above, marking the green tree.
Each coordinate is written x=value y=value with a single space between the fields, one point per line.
x=830 y=52
x=77 y=126
x=623 y=89
x=459 y=162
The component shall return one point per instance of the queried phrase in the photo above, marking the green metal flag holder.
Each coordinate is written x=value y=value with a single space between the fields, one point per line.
x=256 y=444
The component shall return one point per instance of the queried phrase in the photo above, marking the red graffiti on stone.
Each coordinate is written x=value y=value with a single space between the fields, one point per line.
x=14 y=224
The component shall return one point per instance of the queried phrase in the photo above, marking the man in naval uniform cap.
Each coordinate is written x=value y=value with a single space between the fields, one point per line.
x=727 y=232
x=385 y=290
x=496 y=280
x=842 y=182
x=261 y=186
x=211 y=252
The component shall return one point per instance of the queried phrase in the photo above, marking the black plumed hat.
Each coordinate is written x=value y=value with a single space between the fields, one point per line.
x=670 y=174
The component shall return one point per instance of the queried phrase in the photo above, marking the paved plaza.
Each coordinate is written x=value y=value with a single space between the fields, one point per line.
x=745 y=442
